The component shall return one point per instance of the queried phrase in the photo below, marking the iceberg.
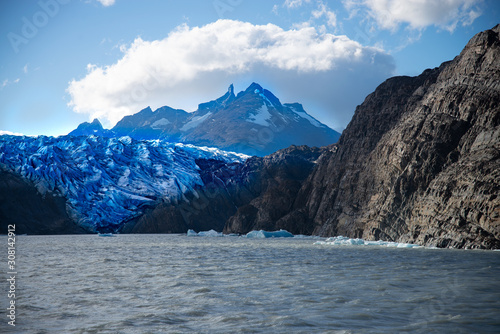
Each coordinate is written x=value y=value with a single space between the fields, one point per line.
x=265 y=234
x=345 y=241
x=211 y=233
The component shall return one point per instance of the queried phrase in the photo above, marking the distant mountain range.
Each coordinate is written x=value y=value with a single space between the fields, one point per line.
x=253 y=122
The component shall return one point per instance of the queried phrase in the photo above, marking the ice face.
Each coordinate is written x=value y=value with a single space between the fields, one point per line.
x=107 y=181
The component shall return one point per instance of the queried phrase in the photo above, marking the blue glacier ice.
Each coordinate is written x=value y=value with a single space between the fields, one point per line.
x=211 y=233
x=107 y=181
x=266 y=234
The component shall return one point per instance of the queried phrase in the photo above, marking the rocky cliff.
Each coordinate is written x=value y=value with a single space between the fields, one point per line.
x=32 y=213
x=419 y=162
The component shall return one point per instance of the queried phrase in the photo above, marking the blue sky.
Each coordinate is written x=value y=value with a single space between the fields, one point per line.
x=63 y=62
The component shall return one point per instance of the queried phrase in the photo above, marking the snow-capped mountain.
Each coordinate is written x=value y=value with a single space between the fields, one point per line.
x=107 y=181
x=253 y=122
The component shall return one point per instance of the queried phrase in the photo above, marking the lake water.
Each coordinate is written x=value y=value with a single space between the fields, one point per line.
x=181 y=284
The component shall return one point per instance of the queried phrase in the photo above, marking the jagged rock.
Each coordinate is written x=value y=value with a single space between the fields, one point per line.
x=420 y=160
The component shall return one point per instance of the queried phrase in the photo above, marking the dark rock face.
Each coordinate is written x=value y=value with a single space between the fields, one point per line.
x=21 y=204
x=420 y=160
x=236 y=198
x=274 y=181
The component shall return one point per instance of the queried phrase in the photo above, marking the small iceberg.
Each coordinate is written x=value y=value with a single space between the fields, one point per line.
x=211 y=233
x=106 y=234
x=265 y=234
x=345 y=241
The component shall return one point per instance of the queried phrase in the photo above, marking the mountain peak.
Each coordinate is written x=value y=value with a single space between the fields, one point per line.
x=86 y=129
x=220 y=103
x=96 y=123
x=255 y=88
x=146 y=110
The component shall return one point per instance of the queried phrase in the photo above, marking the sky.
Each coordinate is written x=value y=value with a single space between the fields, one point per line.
x=64 y=62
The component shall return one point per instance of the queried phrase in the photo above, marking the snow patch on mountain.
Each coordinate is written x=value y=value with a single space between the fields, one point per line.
x=107 y=181
x=160 y=123
x=262 y=116
x=195 y=121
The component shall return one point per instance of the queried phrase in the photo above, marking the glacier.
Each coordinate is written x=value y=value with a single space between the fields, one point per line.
x=107 y=181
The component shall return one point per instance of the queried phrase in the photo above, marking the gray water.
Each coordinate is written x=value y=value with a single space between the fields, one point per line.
x=180 y=284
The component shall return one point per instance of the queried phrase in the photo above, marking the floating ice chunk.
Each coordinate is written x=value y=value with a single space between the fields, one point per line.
x=265 y=234
x=191 y=233
x=341 y=240
x=211 y=233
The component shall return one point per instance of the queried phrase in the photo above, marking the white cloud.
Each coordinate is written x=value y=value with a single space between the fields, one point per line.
x=324 y=11
x=25 y=69
x=295 y=3
x=194 y=65
x=17 y=80
x=107 y=3
x=418 y=14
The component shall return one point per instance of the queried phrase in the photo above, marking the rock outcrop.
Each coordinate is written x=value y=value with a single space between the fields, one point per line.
x=22 y=204
x=420 y=160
